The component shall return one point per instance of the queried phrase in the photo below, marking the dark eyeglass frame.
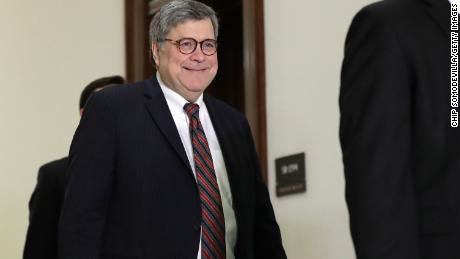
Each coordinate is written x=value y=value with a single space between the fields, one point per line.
x=178 y=42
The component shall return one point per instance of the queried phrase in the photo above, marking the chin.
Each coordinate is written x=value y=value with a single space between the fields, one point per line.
x=197 y=86
x=196 y=89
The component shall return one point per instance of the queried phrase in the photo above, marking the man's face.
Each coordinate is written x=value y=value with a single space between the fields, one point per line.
x=187 y=74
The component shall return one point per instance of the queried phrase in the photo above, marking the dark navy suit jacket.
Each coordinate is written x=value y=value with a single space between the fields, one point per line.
x=401 y=155
x=132 y=193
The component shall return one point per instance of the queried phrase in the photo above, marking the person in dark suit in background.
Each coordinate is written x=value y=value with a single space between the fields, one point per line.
x=48 y=195
x=401 y=155
x=160 y=170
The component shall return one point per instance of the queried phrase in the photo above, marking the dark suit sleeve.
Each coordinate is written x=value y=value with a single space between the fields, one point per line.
x=44 y=209
x=91 y=176
x=268 y=243
x=375 y=134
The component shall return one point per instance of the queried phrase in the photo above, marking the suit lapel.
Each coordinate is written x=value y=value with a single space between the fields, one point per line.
x=439 y=11
x=159 y=111
x=221 y=130
x=228 y=152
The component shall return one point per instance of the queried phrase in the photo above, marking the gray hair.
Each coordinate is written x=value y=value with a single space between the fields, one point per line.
x=177 y=12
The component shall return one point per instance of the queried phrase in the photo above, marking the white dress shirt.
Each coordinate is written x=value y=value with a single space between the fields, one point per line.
x=176 y=103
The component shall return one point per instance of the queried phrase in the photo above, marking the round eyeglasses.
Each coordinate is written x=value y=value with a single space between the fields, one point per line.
x=188 y=45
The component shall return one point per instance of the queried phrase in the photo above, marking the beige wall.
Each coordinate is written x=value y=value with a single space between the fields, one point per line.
x=304 y=50
x=49 y=50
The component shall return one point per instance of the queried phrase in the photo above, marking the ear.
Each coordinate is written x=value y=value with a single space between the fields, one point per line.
x=155 y=53
x=81 y=111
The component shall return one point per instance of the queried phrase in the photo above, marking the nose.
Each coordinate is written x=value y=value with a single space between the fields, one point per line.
x=198 y=55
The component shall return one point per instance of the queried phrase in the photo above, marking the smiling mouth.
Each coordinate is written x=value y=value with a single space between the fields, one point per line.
x=195 y=69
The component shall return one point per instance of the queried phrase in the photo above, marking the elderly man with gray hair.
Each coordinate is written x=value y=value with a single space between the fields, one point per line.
x=160 y=170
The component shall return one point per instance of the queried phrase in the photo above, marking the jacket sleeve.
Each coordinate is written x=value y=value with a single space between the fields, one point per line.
x=375 y=134
x=90 y=175
x=267 y=235
x=44 y=210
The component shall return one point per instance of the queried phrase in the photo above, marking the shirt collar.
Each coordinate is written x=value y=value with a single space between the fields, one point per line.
x=175 y=101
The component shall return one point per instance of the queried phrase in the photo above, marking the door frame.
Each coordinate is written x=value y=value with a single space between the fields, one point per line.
x=137 y=65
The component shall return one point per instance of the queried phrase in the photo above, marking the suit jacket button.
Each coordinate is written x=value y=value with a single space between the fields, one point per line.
x=197 y=227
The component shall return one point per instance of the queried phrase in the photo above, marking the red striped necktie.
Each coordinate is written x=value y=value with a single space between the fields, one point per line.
x=212 y=216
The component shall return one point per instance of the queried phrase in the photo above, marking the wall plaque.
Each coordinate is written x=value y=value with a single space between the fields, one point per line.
x=290 y=174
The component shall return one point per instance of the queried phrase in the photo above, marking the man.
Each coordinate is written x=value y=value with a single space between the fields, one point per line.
x=45 y=203
x=159 y=170
x=400 y=153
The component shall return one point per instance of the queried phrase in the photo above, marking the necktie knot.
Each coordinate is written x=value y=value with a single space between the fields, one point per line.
x=192 y=110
